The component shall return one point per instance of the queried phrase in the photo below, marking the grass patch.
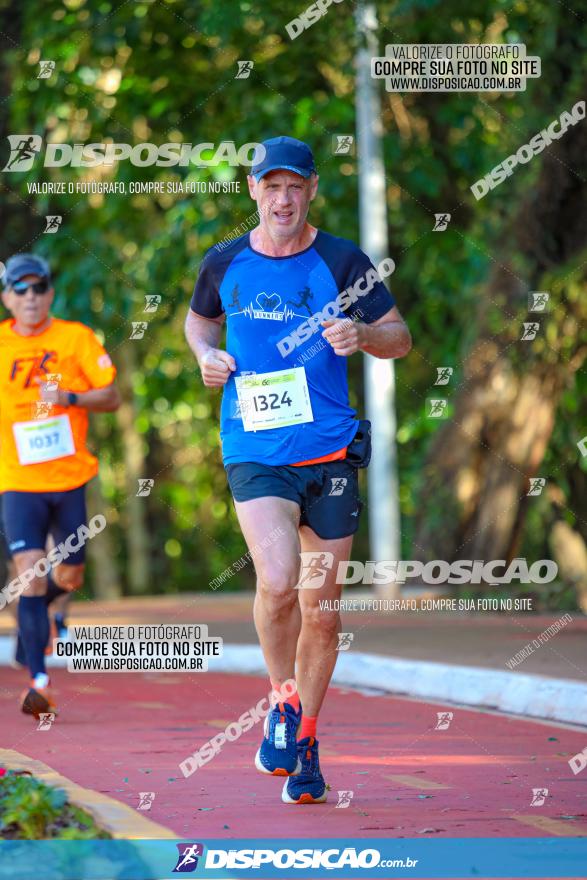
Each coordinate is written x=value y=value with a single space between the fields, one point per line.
x=31 y=810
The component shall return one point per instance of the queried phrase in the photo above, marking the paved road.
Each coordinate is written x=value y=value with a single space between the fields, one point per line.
x=121 y=734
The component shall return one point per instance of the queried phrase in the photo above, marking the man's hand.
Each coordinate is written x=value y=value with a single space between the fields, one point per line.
x=345 y=336
x=216 y=366
x=106 y=399
x=51 y=393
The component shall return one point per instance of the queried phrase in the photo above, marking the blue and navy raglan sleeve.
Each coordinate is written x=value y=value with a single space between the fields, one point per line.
x=349 y=265
x=206 y=296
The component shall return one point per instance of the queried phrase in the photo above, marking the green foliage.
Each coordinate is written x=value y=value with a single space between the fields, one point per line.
x=31 y=810
x=29 y=805
x=163 y=71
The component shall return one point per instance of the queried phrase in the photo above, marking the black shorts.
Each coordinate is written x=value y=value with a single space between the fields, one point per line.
x=28 y=518
x=328 y=494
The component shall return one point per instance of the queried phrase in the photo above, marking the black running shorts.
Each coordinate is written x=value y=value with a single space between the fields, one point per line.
x=29 y=517
x=327 y=494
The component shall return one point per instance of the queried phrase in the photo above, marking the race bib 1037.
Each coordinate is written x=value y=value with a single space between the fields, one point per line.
x=43 y=439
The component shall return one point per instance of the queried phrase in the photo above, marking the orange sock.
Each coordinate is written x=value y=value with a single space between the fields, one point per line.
x=294 y=700
x=308 y=727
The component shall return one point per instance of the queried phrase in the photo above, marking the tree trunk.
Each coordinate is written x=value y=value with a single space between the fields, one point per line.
x=105 y=574
x=570 y=553
x=477 y=473
x=135 y=517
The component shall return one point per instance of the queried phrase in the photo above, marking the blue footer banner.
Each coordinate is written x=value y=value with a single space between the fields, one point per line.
x=533 y=857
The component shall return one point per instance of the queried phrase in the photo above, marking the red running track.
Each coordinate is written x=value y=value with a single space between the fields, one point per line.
x=121 y=734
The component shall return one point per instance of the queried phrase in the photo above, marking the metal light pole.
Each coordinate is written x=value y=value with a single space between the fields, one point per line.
x=379 y=375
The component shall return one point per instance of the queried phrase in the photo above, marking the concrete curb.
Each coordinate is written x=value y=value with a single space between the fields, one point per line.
x=536 y=696
x=7 y=654
x=113 y=816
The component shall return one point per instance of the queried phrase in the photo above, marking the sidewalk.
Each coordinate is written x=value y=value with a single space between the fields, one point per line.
x=480 y=640
x=459 y=659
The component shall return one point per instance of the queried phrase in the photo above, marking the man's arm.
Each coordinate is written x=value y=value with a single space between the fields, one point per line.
x=388 y=337
x=105 y=399
x=203 y=336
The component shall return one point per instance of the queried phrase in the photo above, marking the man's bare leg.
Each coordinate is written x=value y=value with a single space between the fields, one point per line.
x=316 y=654
x=277 y=612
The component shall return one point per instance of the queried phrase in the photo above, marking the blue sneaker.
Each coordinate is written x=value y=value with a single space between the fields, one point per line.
x=309 y=786
x=278 y=755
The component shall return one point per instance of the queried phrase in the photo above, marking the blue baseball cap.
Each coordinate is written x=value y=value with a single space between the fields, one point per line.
x=283 y=154
x=25 y=264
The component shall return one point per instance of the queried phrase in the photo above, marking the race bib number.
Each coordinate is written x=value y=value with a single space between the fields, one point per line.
x=43 y=439
x=274 y=400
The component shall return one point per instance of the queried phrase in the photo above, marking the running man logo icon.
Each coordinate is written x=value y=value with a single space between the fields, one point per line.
x=338 y=485
x=443 y=375
x=537 y=301
x=138 y=329
x=187 y=861
x=152 y=302
x=46 y=69
x=52 y=222
x=443 y=720
x=537 y=484
x=42 y=409
x=145 y=487
x=23 y=150
x=582 y=446
x=46 y=719
x=529 y=332
x=314 y=569
x=344 y=799
x=244 y=69
x=52 y=381
x=441 y=222
x=539 y=795
x=342 y=144
x=344 y=641
x=437 y=408
x=146 y=799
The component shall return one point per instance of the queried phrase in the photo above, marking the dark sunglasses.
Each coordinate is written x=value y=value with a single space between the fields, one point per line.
x=21 y=287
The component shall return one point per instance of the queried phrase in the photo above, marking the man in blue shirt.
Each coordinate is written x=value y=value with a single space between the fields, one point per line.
x=297 y=302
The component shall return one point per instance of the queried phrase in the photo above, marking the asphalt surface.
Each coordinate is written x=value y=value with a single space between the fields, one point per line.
x=122 y=734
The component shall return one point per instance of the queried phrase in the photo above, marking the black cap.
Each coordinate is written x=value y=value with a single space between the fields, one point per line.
x=283 y=154
x=25 y=264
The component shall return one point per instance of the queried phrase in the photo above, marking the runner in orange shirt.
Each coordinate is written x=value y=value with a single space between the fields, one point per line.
x=52 y=372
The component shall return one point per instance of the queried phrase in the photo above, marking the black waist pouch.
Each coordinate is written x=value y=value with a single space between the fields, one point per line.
x=359 y=452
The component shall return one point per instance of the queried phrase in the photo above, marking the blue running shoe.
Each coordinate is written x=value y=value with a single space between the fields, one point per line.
x=278 y=755
x=309 y=786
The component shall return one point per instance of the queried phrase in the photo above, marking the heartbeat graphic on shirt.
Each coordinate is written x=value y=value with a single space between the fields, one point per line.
x=268 y=308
